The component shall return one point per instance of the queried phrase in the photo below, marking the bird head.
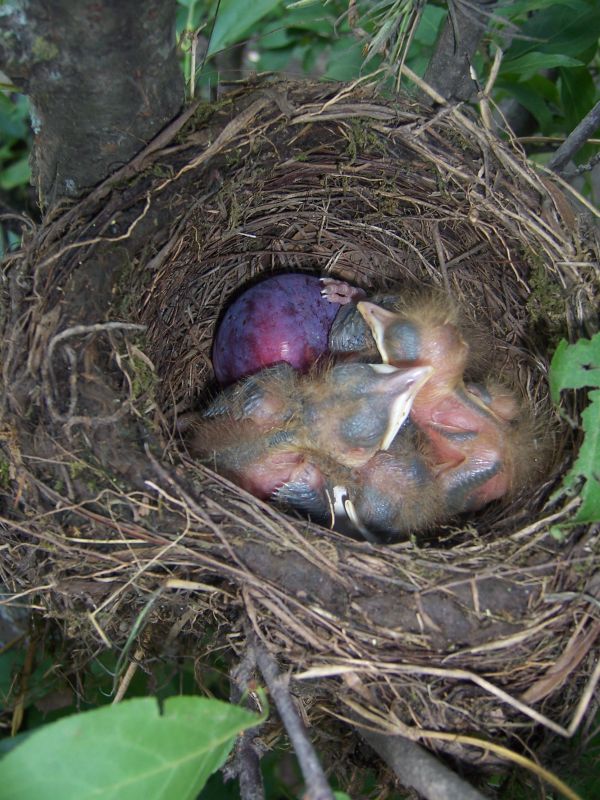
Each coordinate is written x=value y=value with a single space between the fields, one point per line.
x=353 y=410
x=423 y=335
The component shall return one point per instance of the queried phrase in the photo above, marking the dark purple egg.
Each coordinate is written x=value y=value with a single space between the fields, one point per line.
x=283 y=318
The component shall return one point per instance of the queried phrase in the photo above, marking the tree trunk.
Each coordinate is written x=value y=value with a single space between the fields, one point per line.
x=102 y=78
x=449 y=71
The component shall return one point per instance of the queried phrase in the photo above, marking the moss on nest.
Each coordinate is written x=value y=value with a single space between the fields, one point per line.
x=447 y=638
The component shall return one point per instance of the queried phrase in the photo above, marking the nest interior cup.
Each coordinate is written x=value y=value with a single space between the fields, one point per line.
x=322 y=180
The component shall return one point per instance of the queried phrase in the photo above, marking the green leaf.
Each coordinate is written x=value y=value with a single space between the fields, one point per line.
x=189 y=14
x=10 y=662
x=530 y=99
x=17 y=174
x=345 y=61
x=578 y=95
x=127 y=751
x=546 y=88
x=527 y=65
x=318 y=21
x=234 y=20
x=517 y=8
x=587 y=464
x=274 y=60
x=565 y=28
x=14 y=115
x=429 y=25
x=276 y=39
x=575 y=366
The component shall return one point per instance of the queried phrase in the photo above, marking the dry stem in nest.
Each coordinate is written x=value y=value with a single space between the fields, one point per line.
x=489 y=630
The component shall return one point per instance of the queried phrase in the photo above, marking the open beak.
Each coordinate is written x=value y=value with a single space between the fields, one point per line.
x=405 y=385
x=377 y=319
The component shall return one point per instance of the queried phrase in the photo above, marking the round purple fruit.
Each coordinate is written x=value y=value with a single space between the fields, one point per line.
x=283 y=318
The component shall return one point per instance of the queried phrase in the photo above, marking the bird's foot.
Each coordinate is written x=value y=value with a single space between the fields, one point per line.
x=341 y=292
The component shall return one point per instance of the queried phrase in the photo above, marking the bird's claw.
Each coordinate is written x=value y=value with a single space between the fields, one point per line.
x=340 y=292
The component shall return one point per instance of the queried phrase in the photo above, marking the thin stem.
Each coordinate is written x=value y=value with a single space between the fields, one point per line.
x=576 y=139
x=308 y=760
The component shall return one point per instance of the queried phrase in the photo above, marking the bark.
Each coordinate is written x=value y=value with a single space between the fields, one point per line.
x=449 y=69
x=420 y=770
x=102 y=79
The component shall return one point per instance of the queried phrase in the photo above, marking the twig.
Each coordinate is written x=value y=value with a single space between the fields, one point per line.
x=128 y=677
x=423 y=85
x=484 y=100
x=96 y=239
x=25 y=675
x=393 y=726
x=460 y=739
x=439 y=248
x=362 y=666
x=584 y=167
x=418 y=769
x=568 y=188
x=246 y=760
x=576 y=139
x=79 y=330
x=312 y=771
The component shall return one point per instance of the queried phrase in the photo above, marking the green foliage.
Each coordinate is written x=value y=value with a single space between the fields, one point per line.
x=231 y=25
x=309 y=37
x=391 y=25
x=551 y=63
x=428 y=29
x=128 y=751
x=576 y=366
x=15 y=140
x=548 y=66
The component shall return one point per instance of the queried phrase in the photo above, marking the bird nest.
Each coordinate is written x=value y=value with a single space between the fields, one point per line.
x=485 y=627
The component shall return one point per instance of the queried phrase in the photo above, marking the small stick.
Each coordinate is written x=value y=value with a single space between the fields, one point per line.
x=576 y=139
x=277 y=684
x=416 y=768
x=246 y=761
x=128 y=677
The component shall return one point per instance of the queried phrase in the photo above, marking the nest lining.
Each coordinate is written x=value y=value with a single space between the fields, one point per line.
x=387 y=195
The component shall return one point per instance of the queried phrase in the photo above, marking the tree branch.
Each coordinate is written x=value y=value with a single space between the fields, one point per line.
x=449 y=71
x=418 y=769
x=277 y=684
x=246 y=761
x=576 y=139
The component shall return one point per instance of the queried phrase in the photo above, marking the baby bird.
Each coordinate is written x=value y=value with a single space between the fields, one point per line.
x=268 y=398
x=491 y=443
x=272 y=432
x=395 y=493
x=350 y=411
x=470 y=430
x=257 y=460
x=245 y=433
x=315 y=489
x=425 y=332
